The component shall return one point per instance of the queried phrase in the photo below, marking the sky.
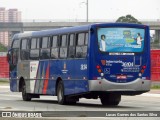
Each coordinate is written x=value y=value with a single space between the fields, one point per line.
x=76 y=9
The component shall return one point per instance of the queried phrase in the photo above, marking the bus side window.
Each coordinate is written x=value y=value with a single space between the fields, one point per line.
x=15 y=52
x=71 y=51
x=81 y=47
x=34 y=52
x=15 y=44
x=45 y=48
x=54 y=47
x=86 y=39
x=24 y=49
x=15 y=56
x=63 y=46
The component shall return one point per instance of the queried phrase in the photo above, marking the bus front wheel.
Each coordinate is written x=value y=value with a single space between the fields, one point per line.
x=110 y=99
x=25 y=95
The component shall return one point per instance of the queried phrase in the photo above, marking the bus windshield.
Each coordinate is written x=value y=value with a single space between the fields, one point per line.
x=121 y=39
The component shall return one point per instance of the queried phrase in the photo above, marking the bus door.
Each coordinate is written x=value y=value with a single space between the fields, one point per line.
x=13 y=60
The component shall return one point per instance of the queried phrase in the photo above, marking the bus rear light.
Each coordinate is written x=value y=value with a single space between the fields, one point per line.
x=99 y=70
x=144 y=67
x=140 y=74
x=102 y=74
x=98 y=66
x=142 y=71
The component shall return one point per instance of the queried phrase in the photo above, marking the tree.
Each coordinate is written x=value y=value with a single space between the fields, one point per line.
x=128 y=19
x=3 y=48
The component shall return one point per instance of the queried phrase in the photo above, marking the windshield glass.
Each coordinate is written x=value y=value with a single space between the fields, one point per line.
x=121 y=39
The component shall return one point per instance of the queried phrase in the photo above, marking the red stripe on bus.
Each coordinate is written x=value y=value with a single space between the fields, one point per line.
x=46 y=81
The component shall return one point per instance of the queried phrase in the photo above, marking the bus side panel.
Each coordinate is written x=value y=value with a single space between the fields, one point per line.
x=61 y=69
x=147 y=56
x=77 y=73
x=81 y=72
x=28 y=71
x=73 y=74
x=42 y=78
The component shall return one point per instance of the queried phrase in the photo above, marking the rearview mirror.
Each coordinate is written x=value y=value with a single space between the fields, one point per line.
x=9 y=57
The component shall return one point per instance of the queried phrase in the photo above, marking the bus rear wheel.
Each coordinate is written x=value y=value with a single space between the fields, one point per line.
x=63 y=99
x=25 y=95
x=60 y=94
x=110 y=99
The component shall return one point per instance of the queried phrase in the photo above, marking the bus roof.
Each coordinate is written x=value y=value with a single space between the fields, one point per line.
x=66 y=30
x=49 y=32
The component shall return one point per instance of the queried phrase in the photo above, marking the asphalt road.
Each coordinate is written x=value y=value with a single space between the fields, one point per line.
x=10 y=101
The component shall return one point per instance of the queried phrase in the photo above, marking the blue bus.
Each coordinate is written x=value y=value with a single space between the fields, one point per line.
x=104 y=60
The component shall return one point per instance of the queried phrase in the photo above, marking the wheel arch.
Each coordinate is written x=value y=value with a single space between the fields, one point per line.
x=21 y=81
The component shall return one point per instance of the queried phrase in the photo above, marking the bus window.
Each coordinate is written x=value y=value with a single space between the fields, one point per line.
x=55 y=41
x=81 y=48
x=86 y=39
x=45 y=42
x=54 y=48
x=38 y=43
x=71 y=51
x=24 y=49
x=45 y=50
x=81 y=38
x=34 y=52
x=63 y=47
x=33 y=43
x=15 y=44
x=15 y=56
x=14 y=52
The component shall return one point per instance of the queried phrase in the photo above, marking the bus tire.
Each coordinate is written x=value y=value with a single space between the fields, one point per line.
x=60 y=94
x=25 y=96
x=111 y=99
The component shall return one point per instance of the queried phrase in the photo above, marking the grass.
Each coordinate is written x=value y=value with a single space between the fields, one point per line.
x=155 y=87
x=4 y=81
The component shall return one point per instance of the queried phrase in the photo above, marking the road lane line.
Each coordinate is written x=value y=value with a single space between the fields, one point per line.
x=150 y=95
x=4 y=87
x=10 y=95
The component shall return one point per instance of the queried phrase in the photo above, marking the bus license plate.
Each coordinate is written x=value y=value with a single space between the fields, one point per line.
x=121 y=77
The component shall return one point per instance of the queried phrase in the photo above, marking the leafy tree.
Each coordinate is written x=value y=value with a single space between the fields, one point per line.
x=3 y=48
x=128 y=19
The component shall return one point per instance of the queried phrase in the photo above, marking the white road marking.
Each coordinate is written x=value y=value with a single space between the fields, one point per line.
x=10 y=95
x=150 y=95
x=4 y=86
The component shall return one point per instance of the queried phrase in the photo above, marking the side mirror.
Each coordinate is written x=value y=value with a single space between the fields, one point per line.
x=9 y=57
x=92 y=30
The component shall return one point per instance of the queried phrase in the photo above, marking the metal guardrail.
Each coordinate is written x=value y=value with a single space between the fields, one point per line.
x=82 y=20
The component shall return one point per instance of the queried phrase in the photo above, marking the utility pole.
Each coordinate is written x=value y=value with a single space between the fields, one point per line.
x=87 y=9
